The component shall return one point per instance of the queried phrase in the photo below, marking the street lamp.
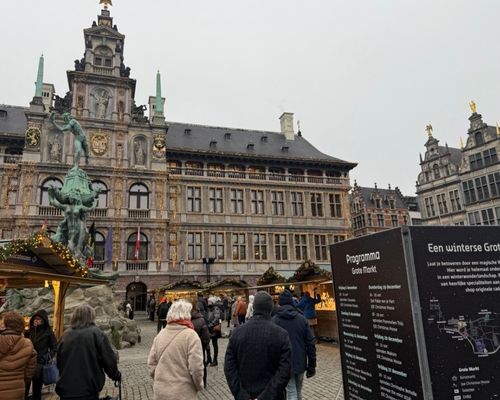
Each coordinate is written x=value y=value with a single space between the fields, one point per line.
x=208 y=261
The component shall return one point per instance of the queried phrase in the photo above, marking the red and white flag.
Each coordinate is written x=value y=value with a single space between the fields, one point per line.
x=137 y=243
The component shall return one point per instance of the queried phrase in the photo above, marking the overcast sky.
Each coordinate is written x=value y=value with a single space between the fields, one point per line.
x=363 y=77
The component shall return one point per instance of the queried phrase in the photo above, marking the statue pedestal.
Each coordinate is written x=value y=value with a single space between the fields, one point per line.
x=77 y=182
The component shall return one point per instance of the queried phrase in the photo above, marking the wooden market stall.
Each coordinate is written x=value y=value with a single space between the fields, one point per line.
x=182 y=289
x=38 y=262
x=228 y=287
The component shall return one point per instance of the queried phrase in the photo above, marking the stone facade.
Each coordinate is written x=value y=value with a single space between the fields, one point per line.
x=247 y=199
x=375 y=210
x=462 y=186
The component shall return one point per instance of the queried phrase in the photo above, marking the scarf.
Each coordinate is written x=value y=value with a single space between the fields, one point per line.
x=185 y=322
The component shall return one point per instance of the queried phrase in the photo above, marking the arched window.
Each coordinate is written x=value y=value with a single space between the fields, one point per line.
x=99 y=247
x=102 y=201
x=103 y=56
x=435 y=170
x=44 y=193
x=138 y=197
x=143 y=246
x=479 y=138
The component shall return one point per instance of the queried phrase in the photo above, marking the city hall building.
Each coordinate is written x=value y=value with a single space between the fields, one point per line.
x=203 y=199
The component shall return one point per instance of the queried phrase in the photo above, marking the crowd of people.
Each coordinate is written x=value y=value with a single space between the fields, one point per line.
x=271 y=348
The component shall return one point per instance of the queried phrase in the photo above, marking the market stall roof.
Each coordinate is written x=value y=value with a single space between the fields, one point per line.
x=226 y=284
x=318 y=280
x=183 y=285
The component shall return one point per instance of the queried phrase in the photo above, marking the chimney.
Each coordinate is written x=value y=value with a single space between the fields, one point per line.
x=286 y=120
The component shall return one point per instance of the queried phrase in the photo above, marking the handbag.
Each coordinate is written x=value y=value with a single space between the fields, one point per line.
x=216 y=329
x=50 y=373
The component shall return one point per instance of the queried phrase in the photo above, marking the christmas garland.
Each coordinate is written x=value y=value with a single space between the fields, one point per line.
x=42 y=239
x=270 y=276
x=309 y=268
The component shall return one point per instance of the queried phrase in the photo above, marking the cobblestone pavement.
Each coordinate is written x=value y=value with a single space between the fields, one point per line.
x=137 y=385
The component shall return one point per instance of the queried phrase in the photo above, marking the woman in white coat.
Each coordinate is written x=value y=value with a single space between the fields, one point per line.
x=175 y=361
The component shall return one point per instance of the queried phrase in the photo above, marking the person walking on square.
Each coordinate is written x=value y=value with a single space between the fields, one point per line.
x=259 y=356
x=201 y=328
x=241 y=310
x=307 y=305
x=17 y=357
x=151 y=308
x=162 y=313
x=175 y=361
x=84 y=356
x=45 y=344
x=303 y=349
x=214 y=327
x=249 y=313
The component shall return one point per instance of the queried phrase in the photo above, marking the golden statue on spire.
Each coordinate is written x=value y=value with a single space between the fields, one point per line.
x=106 y=3
x=428 y=128
x=472 y=105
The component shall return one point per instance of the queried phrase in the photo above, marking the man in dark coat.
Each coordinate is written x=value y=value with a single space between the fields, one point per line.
x=258 y=356
x=45 y=344
x=303 y=349
x=83 y=356
x=162 y=313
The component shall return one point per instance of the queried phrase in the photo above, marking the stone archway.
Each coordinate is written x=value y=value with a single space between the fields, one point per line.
x=137 y=295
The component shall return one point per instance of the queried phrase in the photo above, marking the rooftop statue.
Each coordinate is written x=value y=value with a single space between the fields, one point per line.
x=72 y=125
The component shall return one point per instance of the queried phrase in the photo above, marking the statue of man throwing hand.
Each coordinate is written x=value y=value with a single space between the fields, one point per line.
x=72 y=125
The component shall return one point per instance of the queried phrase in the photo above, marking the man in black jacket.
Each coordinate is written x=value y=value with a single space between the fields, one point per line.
x=45 y=344
x=302 y=339
x=258 y=356
x=83 y=356
x=162 y=313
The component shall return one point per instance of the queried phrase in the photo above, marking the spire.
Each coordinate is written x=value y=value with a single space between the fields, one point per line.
x=39 y=78
x=498 y=130
x=159 y=105
x=461 y=143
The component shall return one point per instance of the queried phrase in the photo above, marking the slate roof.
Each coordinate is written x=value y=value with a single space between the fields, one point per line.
x=455 y=154
x=235 y=142
x=366 y=193
x=15 y=122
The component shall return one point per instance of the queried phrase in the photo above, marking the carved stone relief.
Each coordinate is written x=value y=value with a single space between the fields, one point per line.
x=139 y=152
x=55 y=149
x=102 y=100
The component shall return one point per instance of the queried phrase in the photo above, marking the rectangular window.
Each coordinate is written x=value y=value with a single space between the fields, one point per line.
x=469 y=192
x=482 y=188
x=442 y=206
x=217 y=245
x=280 y=248
x=455 y=200
x=494 y=181
x=216 y=200
x=238 y=244
x=338 y=238
x=316 y=205
x=98 y=61
x=277 y=203
x=391 y=204
x=297 y=204
x=429 y=207
x=488 y=216
x=320 y=248
x=490 y=156
x=193 y=199
x=300 y=247
x=260 y=246
x=378 y=203
x=380 y=219
x=237 y=201
x=394 y=220
x=257 y=198
x=475 y=161
x=497 y=212
x=335 y=205
x=194 y=245
x=369 y=220
x=474 y=218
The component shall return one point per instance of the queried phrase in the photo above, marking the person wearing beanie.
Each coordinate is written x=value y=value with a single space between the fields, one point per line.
x=303 y=349
x=258 y=358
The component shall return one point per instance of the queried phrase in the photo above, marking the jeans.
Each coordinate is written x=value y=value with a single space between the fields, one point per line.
x=294 y=387
x=215 y=344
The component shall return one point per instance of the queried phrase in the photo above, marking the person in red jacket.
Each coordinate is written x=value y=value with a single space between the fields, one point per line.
x=240 y=310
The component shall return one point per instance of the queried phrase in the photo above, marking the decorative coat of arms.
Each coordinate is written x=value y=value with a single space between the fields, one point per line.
x=159 y=147
x=99 y=144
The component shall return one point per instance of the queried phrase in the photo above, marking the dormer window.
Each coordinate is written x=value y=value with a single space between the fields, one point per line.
x=391 y=204
x=227 y=136
x=213 y=143
x=187 y=131
x=378 y=203
x=250 y=146
x=263 y=139
x=284 y=149
x=3 y=114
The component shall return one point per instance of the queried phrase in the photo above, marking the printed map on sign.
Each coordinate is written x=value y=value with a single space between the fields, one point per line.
x=482 y=332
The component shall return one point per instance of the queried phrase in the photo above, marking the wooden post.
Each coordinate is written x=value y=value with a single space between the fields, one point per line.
x=60 y=289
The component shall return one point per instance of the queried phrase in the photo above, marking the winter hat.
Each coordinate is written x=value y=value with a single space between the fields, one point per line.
x=285 y=298
x=262 y=303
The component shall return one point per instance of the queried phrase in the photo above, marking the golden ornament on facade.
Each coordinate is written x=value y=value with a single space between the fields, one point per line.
x=99 y=144
x=33 y=137
x=473 y=106
x=159 y=146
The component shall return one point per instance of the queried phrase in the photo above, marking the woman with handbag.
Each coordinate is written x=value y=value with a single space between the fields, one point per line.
x=214 y=327
x=45 y=344
x=175 y=361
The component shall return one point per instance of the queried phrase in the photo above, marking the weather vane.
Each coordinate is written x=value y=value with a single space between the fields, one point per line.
x=472 y=105
x=428 y=128
x=106 y=3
